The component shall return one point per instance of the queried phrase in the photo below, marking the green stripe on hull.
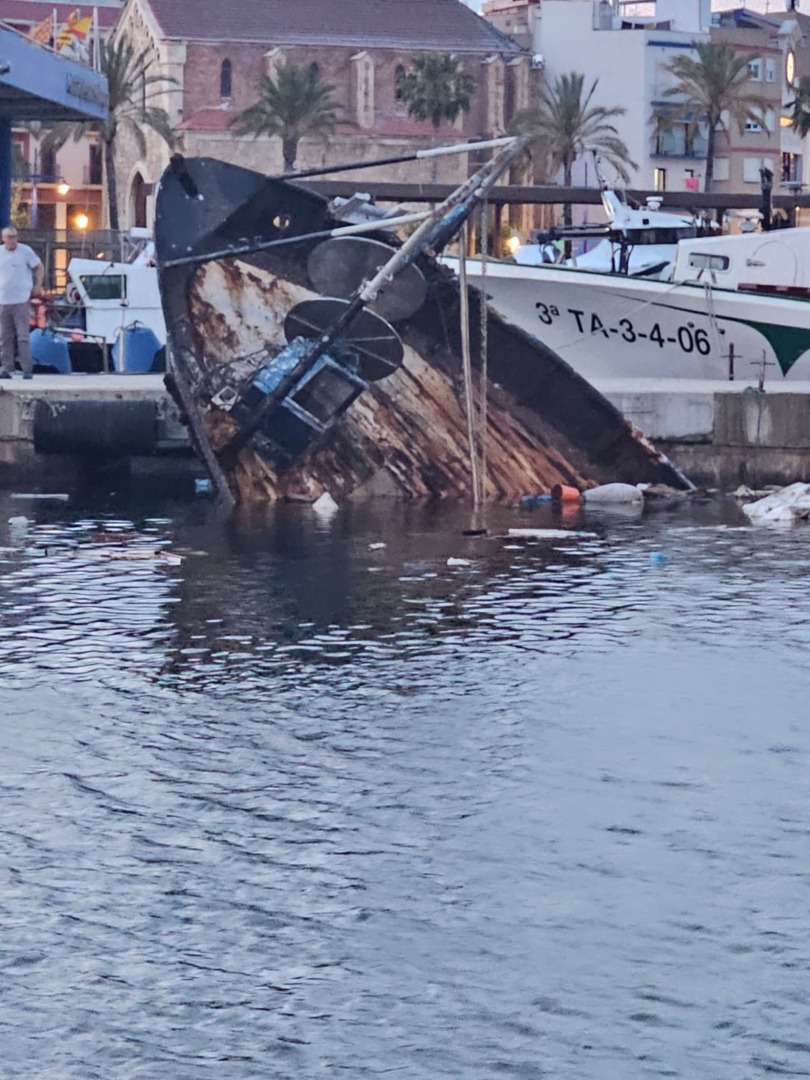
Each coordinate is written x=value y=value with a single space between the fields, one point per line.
x=787 y=342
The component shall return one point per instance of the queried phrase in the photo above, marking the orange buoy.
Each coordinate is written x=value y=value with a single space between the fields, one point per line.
x=564 y=494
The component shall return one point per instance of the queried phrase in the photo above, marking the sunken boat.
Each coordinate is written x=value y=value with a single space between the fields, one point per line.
x=312 y=351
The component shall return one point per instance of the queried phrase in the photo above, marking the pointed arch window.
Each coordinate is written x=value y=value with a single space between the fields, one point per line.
x=225 y=74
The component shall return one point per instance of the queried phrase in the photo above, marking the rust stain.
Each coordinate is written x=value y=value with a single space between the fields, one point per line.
x=410 y=428
x=413 y=428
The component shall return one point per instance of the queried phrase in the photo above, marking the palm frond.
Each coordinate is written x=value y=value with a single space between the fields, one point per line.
x=564 y=124
x=436 y=88
x=294 y=104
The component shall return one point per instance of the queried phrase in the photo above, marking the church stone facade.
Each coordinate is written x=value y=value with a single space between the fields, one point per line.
x=216 y=57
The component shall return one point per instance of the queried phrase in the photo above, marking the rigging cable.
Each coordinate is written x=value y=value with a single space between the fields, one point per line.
x=484 y=312
x=464 y=313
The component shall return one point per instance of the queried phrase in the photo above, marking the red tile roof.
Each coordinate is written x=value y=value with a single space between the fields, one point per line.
x=444 y=25
x=208 y=120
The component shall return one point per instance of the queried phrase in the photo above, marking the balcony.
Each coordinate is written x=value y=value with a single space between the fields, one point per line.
x=25 y=174
x=676 y=143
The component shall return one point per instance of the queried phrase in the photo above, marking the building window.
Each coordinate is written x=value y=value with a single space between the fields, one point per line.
x=752 y=125
x=138 y=202
x=676 y=140
x=47 y=164
x=791 y=172
x=770 y=69
x=94 y=169
x=225 y=72
x=19 y=166
x=659 y=179
x=399 y=75
x=751 y=167
x=722 y=168
x=755 y=70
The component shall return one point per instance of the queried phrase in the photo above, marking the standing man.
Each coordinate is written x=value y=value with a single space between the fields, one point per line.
x=21 y=275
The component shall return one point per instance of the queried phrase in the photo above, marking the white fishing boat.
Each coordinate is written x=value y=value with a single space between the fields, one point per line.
x=735 y=306
x=109 y=318
x=635 y=239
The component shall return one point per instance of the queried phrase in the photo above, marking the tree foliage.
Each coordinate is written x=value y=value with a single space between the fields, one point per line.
x=711 y=88
x=133 y=87
x=294 y=104
x=800 y=120
x=564 y=124
x=436 y=88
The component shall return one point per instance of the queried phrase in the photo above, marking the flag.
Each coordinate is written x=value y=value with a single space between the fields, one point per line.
x=41 y=33
x=75 y=29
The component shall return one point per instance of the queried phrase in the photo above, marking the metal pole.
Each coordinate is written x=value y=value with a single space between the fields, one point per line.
x=5 y=171
x=34 y=190
x=466 y=365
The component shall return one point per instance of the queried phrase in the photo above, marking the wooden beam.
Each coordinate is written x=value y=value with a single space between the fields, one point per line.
x=552 y=194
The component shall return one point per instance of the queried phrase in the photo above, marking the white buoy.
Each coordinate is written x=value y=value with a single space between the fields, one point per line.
x=325 y=505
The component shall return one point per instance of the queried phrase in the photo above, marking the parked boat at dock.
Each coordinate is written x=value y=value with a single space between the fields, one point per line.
x=735 y=306
x=312 y=356
x=637 y=240
x=109 y=317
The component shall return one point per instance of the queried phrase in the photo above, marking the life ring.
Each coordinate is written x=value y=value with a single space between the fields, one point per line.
x=72 y=294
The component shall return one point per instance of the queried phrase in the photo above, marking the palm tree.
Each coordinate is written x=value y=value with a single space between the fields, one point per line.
x=132 y=87
x=295 y=104
x=564 y=124
x=436 y=89
x=710 y=87
x=800 y=121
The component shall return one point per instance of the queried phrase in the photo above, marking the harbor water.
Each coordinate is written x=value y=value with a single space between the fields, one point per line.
x=365 y=795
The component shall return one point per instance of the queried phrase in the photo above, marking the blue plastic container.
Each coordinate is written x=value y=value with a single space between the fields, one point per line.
x=51 y=351
x=140 y=346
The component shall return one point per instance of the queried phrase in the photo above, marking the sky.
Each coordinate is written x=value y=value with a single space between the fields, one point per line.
x=717 y=5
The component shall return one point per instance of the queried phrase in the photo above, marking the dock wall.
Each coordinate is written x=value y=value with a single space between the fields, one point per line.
x=57 y=429
x=723 y=434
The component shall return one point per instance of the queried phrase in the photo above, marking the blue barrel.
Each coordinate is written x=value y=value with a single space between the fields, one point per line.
x=49 y=350
x=141 y=346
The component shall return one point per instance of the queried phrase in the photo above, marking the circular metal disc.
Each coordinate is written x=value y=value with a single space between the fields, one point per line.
x=340 y=266
x=375 y=342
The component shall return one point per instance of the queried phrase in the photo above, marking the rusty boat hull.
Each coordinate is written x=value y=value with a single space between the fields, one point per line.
x=407 y=433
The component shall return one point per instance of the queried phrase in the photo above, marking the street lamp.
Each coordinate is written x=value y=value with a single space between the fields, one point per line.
x=81 y=221
x=63 y=188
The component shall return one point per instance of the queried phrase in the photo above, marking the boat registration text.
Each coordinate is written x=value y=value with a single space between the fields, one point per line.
x=686 y=337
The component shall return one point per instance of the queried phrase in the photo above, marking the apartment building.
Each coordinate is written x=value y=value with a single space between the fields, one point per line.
x=55 y=190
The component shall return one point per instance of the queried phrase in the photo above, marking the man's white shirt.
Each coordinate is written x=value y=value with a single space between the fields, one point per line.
x=16 y=273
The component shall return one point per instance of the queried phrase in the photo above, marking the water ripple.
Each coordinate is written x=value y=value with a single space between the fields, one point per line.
x=268 y=813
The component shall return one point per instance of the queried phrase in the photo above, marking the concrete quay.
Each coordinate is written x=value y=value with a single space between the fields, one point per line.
x=722 y=433
x=59 y=428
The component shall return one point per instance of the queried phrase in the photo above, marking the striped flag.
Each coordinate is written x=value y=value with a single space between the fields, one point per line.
x=75 y=29
x=42 y=32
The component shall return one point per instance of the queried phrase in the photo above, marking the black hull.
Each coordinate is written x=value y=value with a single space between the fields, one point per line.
x=407 y=434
